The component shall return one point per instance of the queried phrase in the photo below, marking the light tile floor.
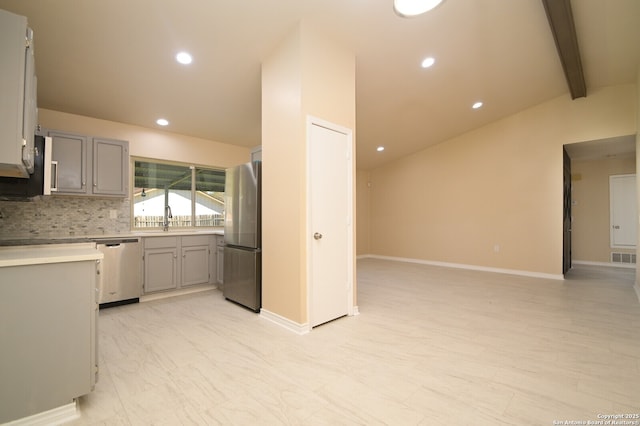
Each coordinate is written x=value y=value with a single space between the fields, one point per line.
x=432 y=346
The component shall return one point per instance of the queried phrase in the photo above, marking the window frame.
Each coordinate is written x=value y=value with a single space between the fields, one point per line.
x=193 y=192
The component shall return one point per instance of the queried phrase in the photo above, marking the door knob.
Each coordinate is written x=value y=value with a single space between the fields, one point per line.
x=317 y=235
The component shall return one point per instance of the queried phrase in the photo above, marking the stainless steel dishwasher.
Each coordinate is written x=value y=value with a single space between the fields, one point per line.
x=120 y=271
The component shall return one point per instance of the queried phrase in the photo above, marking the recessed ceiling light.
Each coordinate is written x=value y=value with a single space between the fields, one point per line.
x=380 y=148
x=427 y=62
x=162 y=122
x=184 y=58
x=476 y=105
x=408 y=8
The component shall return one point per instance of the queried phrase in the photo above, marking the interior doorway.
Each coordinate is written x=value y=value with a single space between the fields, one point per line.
x=566 y=212
x=591 y=165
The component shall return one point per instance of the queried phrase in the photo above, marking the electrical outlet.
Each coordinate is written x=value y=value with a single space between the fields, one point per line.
x=113 y=214
x=496 y=248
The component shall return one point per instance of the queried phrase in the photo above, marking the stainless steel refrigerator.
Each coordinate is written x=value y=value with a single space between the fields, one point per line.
x=242 y=228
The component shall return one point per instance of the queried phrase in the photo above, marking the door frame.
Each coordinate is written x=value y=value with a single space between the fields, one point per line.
x=567 y=217
x=315 y=121
x=612 y=178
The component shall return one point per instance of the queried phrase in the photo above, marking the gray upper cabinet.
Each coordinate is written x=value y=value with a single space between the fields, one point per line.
x=256 y=154
x=70 y=153
x=90 y=166
x=18 y=111
x=110 y=167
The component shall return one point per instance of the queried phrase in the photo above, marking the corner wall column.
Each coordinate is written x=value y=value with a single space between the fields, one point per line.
x=307 y=74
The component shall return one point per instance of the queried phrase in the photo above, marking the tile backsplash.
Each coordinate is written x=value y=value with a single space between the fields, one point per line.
x=63 y=216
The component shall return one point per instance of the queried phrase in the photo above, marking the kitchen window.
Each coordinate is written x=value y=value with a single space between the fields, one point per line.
x=177 y=195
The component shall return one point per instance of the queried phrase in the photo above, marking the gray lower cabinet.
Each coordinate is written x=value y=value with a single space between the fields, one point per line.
x=195 y=265
x=220 y=260
x=160 y=263
x=176 y=262
x=48 y=339
x=89 y=165
x=195 y=259
x=160 y=269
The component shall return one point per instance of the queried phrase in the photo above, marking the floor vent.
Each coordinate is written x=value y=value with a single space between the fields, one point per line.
x=623 y=258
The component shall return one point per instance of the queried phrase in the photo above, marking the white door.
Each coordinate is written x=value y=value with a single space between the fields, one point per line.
x=624 y=211
x=330 y=220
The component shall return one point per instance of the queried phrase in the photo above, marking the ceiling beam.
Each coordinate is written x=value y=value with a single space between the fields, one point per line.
x=564 y=33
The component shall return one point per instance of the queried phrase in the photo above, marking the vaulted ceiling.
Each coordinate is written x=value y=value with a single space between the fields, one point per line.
x=115 y=60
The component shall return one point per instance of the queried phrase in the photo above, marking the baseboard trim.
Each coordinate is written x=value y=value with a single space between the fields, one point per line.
x=285 y=322
x=608 y=264
x=55 y=416
x=179 y=292
x=468 y=267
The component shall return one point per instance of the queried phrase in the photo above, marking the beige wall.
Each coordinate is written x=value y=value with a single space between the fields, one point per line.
x=637 y=286
x=590 y=210
x=150 y=143
x=362 y=213
x=283 y=186
x=493 y=197
x=306 y=75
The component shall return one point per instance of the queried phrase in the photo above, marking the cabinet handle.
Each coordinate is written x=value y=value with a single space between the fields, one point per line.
x=54 y=174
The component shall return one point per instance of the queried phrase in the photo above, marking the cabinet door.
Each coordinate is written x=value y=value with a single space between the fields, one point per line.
x=12 y=78
x=30 y=119
x=110 y=167
x=47 y=336
x=70 y=151
x=213 y=259
x=160 y=269
x=220 y=266
x=195 y=265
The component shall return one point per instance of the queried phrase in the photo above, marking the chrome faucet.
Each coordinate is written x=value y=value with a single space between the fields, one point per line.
x=167 y=216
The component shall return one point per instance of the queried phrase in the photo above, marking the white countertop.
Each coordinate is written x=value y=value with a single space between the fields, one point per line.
x=169 y=233
x=56 y=248
x=42 y=254
x=57 y=238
